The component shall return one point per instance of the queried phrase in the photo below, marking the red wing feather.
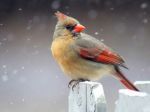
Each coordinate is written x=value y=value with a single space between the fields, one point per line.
x=103 y=56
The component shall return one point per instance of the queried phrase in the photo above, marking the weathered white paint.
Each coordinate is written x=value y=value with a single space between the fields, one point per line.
x=132 y=101
x=87 y=97
x=144 y=86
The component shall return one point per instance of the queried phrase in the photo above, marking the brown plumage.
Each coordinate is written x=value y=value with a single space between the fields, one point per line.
x=83 y=57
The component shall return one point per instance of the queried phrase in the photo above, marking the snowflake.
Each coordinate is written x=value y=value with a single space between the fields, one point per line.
x=15 y=71
x=4 y=66
x=22 y=99
x=11 y=103
x=102 y=40
x=22 y=67
x=55 y=5
x=145 y=21
x=144 y=5
x=28 y=27
x=20 y=9
x=92 y=14
x=40 y=70
x=111 y=8
x=96 y=33
x=28 y=39
x=1 y=24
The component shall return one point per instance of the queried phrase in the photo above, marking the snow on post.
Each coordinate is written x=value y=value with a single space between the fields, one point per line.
x=132 y=101
x=143 y=86
x=87 y=97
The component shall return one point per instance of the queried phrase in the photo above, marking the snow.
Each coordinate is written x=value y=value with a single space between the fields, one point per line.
x=28 y=27
x=14 y=71
x=55 y=4
x=145 y=20
x=144 y=5
x=11 y=103
x=22 y=99
x=4 y=39
x=143 y=85
x=96 y=33
x=22 y=67
x=111 y=8
x=19 y=9
x=102 y=40
x=132 y=101
x=4 y=66
x=131 y=93
x=142 y=82
x=1 y=24
x=28 y=39
x=92 y=14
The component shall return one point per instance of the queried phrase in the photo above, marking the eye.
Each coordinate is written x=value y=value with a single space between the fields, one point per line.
x=70 y=27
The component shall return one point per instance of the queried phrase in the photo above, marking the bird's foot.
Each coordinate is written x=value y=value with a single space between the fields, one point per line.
x=74 y=83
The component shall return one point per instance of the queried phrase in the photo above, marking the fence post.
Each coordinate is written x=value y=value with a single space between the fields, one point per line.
x=143 y=86
x=132 y=101
x=87 y=97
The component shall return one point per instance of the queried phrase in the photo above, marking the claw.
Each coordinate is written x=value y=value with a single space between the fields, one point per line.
x=74 y=83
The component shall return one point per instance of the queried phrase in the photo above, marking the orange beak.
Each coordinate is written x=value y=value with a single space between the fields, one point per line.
x=78 y=28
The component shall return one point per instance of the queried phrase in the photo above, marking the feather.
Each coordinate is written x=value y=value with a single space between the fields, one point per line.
x=91 y=49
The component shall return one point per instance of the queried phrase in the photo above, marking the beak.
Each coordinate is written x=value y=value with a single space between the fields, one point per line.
x=78 y=28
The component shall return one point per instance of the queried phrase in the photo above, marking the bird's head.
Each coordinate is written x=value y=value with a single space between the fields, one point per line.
x=67 y=24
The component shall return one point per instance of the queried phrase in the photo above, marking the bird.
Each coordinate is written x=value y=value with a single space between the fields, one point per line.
x=83 y=57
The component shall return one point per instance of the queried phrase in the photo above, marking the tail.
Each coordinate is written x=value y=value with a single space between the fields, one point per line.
x=124 y=80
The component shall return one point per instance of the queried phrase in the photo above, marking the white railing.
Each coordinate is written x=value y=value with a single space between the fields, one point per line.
x=90 y=97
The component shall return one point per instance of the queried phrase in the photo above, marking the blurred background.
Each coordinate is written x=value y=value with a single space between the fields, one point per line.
x=31 y=80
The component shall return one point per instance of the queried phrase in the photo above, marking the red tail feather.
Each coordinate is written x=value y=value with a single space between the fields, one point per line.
x=125 y=81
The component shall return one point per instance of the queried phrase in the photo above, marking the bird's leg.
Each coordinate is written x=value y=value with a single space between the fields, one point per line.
x=70 y=83
x=76 y=82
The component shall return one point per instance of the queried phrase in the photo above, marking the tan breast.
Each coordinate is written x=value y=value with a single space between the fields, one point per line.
x=61 y=48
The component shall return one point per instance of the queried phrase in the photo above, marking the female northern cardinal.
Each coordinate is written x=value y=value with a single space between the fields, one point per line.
x=83 y=57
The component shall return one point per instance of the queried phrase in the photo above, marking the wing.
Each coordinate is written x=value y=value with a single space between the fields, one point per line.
x=92 y=49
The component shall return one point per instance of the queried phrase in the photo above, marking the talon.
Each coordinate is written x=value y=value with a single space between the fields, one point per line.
x=70 y=83
x=74 y=83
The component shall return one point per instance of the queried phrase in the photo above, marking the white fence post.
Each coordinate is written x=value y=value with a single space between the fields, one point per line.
x=87 y=97
x=132 y=101
x=144 y=86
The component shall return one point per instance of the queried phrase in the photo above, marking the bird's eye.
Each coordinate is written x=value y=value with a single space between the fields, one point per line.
x=70 y=27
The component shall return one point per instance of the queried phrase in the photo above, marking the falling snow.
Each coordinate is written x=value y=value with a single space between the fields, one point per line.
x=4 y=66
x=55 y=4
x=22 y=100
x=11 y=103
x=102 y=40
x=14 y=72
x=111 y=8
x=1 y=24
x=25 y=37
x=92 y=14
x=144 y=5
x=20 y=9
x=145 y=21
x=96 y=33
x=22 y=67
